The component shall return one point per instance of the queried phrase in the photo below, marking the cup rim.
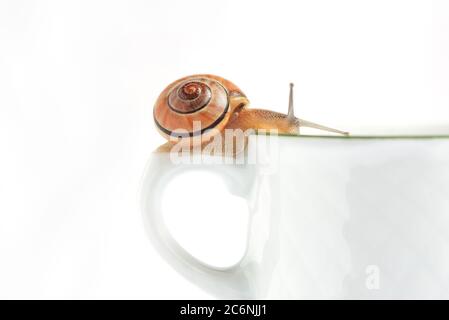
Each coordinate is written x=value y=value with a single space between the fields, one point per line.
x=413 y=131
x=370 y=136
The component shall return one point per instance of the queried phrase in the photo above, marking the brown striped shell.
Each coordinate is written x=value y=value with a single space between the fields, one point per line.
x=192 y=105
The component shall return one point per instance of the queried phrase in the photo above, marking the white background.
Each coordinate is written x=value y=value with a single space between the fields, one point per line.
x=77 y=83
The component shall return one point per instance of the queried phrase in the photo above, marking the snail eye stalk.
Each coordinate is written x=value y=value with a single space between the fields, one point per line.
x=291 y=108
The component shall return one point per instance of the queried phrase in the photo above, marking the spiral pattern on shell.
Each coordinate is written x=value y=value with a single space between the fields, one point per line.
x=191 y=105
x=189 y=97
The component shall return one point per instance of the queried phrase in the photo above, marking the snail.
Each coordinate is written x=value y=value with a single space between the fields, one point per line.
x=194 y=109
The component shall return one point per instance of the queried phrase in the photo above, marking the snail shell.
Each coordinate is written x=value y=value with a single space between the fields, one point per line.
x=192 y=106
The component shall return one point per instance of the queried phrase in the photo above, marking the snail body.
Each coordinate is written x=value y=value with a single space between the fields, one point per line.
x=194 y=109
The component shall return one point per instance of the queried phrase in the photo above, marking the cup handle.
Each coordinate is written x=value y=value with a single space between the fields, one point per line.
x=224 y=283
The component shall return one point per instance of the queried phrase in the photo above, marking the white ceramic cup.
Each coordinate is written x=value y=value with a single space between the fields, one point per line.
x=331 y=218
